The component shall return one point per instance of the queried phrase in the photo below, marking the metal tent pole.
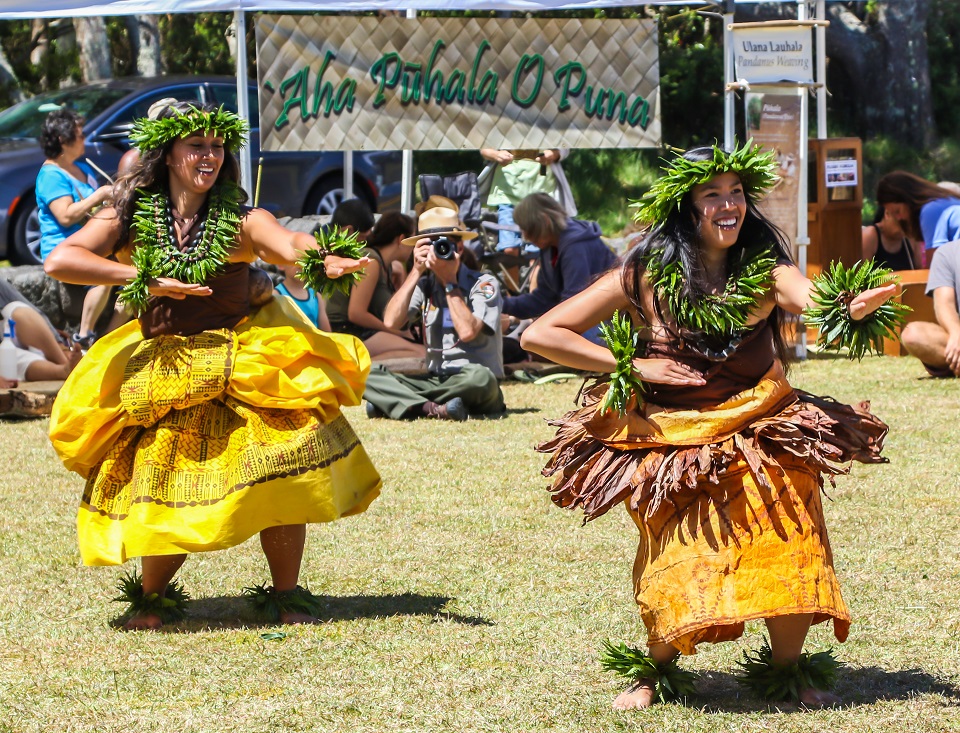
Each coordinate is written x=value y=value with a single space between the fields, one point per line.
x=729 y=96
x=243 y=99
x=821 y=14
x=406 y=168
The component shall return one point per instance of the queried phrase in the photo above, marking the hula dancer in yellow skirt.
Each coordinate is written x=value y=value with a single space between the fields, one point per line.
x=718 y=460
x=216 y=415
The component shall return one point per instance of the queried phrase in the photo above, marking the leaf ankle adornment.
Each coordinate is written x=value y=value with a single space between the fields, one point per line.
x=671 y=682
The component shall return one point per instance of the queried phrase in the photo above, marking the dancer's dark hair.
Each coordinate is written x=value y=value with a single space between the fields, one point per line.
x=679 y=236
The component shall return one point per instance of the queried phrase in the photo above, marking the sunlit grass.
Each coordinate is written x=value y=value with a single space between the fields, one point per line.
x=463 y=600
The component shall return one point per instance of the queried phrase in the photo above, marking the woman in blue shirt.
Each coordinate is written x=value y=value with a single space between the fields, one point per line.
x=67 y=193
x=925 y=210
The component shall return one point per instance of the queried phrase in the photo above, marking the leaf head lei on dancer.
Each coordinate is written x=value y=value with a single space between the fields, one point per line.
x=715 y=322
x=156 y=253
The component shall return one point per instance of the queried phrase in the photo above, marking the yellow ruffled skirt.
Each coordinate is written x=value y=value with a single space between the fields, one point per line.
x=192 y=444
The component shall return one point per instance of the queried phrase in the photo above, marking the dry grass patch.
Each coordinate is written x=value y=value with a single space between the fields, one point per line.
x=464 y=601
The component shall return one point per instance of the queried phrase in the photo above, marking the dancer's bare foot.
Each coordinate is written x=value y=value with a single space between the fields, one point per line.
x=143 y=622
x=293 y=617
x=637 y=696
x=814 y=698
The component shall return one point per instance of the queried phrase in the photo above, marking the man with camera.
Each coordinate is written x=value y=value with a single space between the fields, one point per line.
x=459 y=309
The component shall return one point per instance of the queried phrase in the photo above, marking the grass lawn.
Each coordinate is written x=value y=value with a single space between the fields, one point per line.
x=463 y=600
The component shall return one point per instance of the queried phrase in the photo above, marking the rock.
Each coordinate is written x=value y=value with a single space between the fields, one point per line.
x=60 y=302
x=21 y=403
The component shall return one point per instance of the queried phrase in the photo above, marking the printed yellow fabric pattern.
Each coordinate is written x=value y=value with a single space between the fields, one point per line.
x=196 y=443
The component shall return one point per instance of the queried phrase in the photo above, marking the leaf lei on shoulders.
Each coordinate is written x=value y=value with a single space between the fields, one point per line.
x=719 y=315
x=156 y=255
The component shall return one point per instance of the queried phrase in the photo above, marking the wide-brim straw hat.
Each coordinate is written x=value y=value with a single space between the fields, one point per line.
x=439 y=222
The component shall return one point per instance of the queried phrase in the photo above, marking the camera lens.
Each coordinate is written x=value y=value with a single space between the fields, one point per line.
x=445 y=248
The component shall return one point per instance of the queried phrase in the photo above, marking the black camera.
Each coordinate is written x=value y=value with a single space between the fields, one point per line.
x=445 y=248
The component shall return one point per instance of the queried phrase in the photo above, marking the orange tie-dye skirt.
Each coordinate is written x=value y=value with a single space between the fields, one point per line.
x=727 y=501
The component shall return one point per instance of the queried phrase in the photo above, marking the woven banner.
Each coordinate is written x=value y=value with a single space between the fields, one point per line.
x=371 y=83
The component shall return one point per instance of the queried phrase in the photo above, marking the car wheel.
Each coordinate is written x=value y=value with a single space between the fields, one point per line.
x=327 y=194
x=26 y=234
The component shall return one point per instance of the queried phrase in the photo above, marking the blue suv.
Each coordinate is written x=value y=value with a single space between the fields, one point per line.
x=292 y=184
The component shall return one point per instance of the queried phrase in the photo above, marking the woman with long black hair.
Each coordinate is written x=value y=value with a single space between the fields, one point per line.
x=718 y=459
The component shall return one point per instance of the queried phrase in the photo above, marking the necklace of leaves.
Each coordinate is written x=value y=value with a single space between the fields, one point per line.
x=156 y=253
x=716 y=316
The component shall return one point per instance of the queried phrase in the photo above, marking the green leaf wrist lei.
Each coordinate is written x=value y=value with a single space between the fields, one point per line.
x=331 y=241
x=622 y=340
x=833 y=290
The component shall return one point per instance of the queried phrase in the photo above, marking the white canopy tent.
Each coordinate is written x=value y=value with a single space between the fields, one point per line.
x=25 y=9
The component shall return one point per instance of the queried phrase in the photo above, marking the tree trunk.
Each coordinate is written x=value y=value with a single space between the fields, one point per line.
x=145 y=41
x=8 y=78
x=878 y=73
x=40 y=40
x=94 y=49
x=883 y=72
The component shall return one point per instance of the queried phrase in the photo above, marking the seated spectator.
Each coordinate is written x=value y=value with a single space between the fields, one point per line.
x=937 y=345
x=361 y=312
x=353 y=215
x=67 y=193
x=41 y=354
x=951 y=186
x=459 y=308
x=571 y=256
x=515 y=175
x=885 y=243
x=923 y=209
x=308 y=300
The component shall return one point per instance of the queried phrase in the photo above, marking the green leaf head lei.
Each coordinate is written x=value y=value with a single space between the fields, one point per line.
x=755 y=167
x=149 y=134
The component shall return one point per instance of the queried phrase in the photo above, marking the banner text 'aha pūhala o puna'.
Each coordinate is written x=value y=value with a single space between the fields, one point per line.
x=372 y=83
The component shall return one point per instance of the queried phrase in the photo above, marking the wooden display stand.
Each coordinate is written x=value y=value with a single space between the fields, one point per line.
x=834 y=202
x=911 y=291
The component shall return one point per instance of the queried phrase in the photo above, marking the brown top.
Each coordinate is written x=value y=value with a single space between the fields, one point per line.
x=225 y=308
x=753 y=357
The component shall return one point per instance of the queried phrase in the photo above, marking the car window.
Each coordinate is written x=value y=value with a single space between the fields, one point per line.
x=141 y=105
x=227 y=96
x=25 y=119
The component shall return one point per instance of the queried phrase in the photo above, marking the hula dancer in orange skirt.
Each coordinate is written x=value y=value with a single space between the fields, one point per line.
x=216 y=415
x=719 y=461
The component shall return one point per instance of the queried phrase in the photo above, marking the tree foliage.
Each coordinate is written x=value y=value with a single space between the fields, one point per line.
x=691 y=84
